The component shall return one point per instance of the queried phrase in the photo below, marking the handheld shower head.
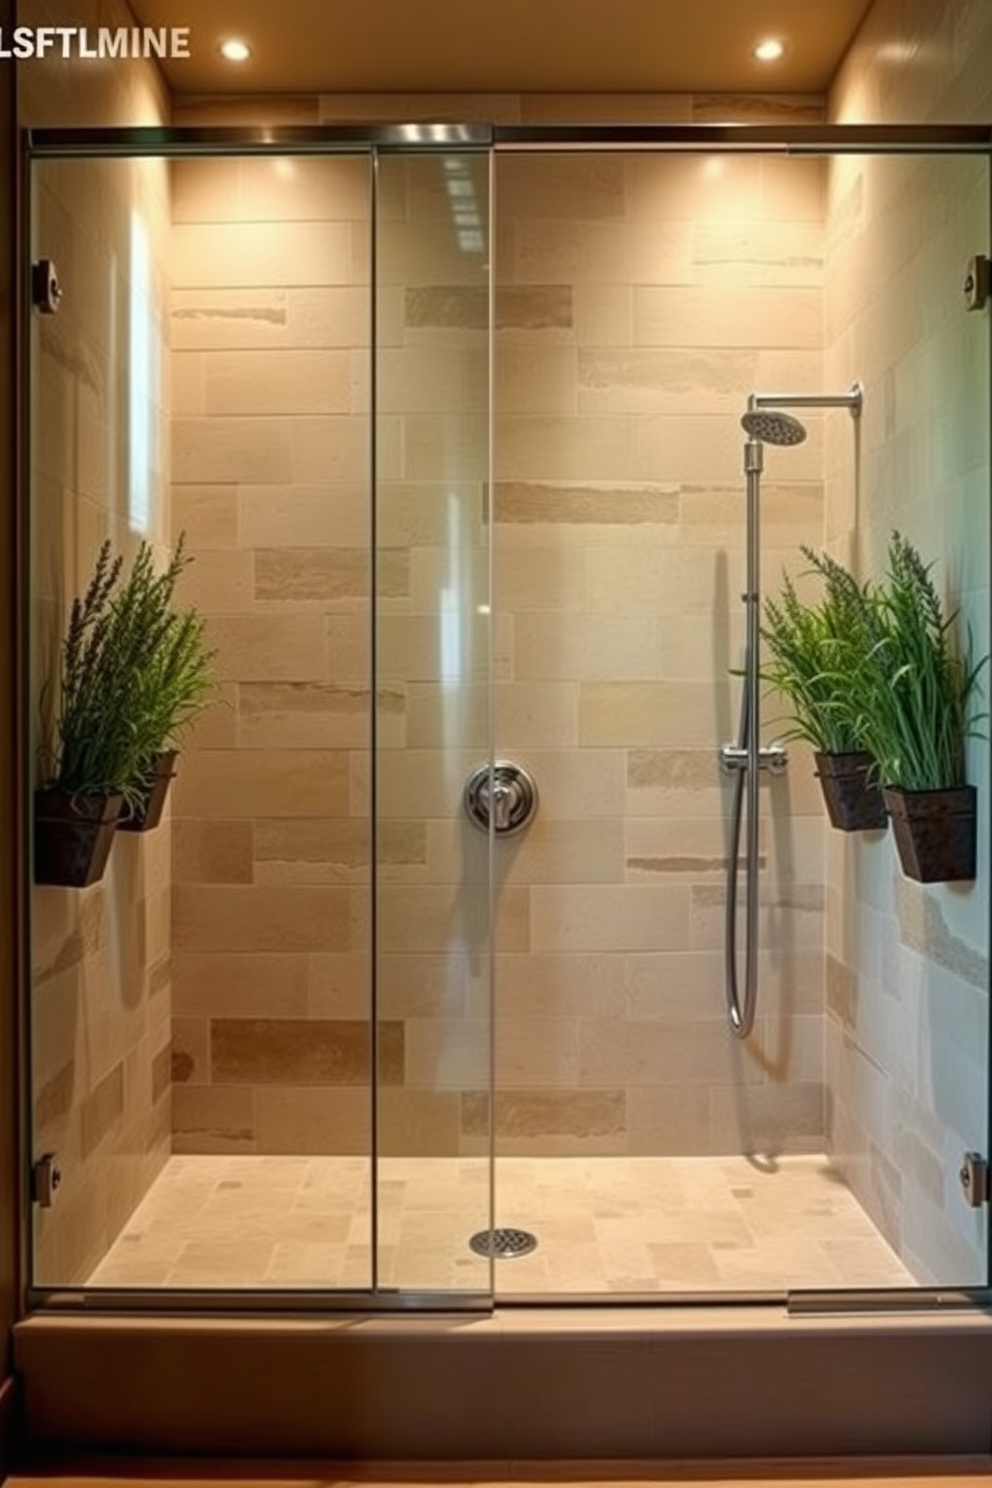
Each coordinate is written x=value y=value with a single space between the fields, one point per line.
x=772 y=426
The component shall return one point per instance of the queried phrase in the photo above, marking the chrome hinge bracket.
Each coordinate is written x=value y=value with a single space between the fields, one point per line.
x=974 y=1177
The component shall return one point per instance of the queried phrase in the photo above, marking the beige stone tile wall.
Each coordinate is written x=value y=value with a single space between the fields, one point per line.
x=637 y=304
x=640 y=300
x=100 y=995
x=907 y=972
x=271 y=447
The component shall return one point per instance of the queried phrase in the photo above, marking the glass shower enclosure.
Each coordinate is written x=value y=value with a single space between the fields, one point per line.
x=416 y=996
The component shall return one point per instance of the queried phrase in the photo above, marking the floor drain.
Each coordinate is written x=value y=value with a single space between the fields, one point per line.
x=505 y=1245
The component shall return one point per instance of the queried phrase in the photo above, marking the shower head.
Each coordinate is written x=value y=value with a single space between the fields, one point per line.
x=772 y=426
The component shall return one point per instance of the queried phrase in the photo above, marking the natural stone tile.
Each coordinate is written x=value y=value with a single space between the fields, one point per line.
x=534 y=307
x=301 y=715
x=720 y=316
x=418 y=1123
x=215 y=851
x=638 y=714
x=329 y=515
x=190 y=1059
x=653 y=1053
x=803 y=902
x=842 y=991
x=757 y=108
x=420 y=514
x=340 y=985
x=773 y=253
x=414 y=648
x=208 y=515
x=343 y=844
x=546 y=1113
x=586 y=647
x=161 y=1073
x=219 y=917
x=215 y=451
x=101 y=1109
x=542 y=578
x=313 y=1119
x=268 y=648
x=229 y=255
x=548 y=501
x=225 y=783
x=668 y=1119
x=924 y=927
x=447 y=1054
x=248 y=382
x=460 y=306
x=776 y=1118
x=416 y=918
x=327 y=574
x=53 y=1101
x=290 y=1052
x=217 y=984
x=569 y=852
x=609 y=917
x=220 y=317
x=567 y=186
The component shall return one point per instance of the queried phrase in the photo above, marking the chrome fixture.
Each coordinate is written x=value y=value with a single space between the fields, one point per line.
x=773 y=427
x=503 y=1244
x=765 y=422
x=505 y=793
x=46 y=1180
x=974 y=1179
x=977 y=283
x=46 y=291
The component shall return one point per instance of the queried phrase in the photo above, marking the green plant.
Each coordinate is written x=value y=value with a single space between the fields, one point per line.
x=174 y=682
x=813 y=650
x=133 y=672
x=911 y=696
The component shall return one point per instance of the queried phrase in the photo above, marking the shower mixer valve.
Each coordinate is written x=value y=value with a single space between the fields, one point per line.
x=772 y=757
x=506 y=795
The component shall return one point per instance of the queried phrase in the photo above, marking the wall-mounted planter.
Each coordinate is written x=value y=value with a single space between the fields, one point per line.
x=853 y=803
x=150 y=813
x=935 y=832
x=73 y=835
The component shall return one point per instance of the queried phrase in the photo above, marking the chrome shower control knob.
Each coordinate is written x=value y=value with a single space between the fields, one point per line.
x=504 y=794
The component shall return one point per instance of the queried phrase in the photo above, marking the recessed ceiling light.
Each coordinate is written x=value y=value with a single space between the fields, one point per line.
x=235 y=50
x=770 y=49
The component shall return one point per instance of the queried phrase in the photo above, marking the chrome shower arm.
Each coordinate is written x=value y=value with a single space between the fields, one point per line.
x=852 y=400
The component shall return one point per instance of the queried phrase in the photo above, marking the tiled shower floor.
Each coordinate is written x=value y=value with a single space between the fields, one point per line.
x=603 y=1225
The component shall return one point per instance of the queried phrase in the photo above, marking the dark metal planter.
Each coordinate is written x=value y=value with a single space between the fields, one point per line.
x=853 y=803
x=935 y=832
x=73 y=835
x=144 y=818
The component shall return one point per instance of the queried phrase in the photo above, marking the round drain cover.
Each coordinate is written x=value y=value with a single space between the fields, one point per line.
x=504 y=1244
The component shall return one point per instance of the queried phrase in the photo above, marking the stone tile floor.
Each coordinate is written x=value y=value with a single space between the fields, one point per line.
x=604 y=1225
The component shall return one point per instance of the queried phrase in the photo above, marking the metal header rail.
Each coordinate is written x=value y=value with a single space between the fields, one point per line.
x=791 y=139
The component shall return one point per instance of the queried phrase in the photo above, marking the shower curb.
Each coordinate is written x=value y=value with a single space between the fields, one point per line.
x=535 y=1384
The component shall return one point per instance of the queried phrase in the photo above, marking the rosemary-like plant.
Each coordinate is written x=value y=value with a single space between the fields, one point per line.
x=133 y=673
x=813 y=650
x=174 y=680
x=912 y=695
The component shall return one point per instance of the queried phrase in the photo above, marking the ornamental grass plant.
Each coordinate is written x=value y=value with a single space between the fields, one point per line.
x=911 y=697
x=134 y=672
x=814 y=650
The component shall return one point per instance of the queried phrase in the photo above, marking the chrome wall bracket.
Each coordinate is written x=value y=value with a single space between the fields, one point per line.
x=506 y=793
x=774 y=757
x=974 y=1179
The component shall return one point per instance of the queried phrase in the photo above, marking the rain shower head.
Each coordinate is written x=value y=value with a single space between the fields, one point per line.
x=772 y=426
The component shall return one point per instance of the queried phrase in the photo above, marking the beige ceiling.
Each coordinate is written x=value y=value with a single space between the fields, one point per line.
x=603 y=46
